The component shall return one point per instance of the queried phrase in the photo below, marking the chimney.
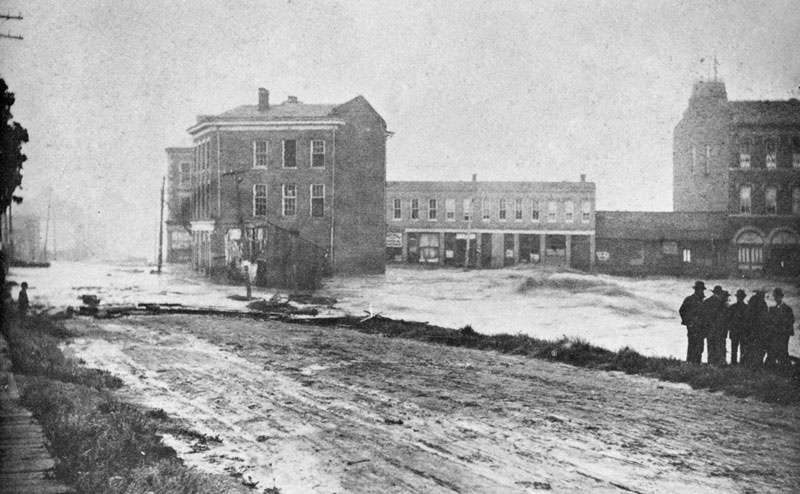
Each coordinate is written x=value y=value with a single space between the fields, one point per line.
x=263 y=99
x=583 y=177
x=291 y=99
x=474 y=177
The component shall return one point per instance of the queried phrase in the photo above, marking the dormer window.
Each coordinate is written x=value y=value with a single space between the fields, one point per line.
x=796 y=152
x=771 y=153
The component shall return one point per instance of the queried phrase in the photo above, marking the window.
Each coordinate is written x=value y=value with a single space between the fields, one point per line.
x=771 y=200
x=486 y=210
x=260 y=154
x=552 y=209
x=796 y=200
x=317 y=200
x=771 y=153
x=414 y=209
x=185 y=173
x=450 y=209
x=569 y=211
x=429 y=247
x=707 y=160
x=687 y=255
x=318 y=154
x=744 y=153
x=289 y=199
x=518 y=209
x=260 y=200
x=796 y=152
x=290 y=153
x=501 y=209
x=467 y=209
x=397 y=209
x=586 y=211
x=744 y=199
x=534 y=210
x=432 y=209
x=750 y=251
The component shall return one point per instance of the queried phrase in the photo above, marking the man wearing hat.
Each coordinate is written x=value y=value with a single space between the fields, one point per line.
x=780 y=323
x=688 y=312
x=756 y=346
x=737 y=327
x=712 y=321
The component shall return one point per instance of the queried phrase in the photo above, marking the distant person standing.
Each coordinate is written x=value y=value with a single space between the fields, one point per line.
x=711 y=315
x=737 y=327
x=756 y=328
x=22 y=300
x=780 y=324
x=688 y=312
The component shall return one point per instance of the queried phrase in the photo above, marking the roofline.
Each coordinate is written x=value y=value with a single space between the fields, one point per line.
x=424 y=183
x=252 y=125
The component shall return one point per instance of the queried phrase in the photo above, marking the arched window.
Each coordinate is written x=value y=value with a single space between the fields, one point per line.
x=744 y=153
x=744 y=199
x=750 y=249
x=771 y=153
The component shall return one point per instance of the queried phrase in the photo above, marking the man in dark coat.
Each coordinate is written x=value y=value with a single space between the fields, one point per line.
x=737 y=327
x=780 y=324
x=694 y=334
x=22 y=300
x=756 y=329
x=711 y=316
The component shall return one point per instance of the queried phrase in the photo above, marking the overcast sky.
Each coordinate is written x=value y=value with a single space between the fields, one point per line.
x=536 y=90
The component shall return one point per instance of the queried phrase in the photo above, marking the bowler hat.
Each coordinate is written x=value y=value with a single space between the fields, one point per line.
x=699 y=285
x=740 y=293
x=717 y=290
x=777 y=292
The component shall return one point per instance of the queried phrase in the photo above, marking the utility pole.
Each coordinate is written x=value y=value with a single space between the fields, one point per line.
x=245 y=253
x=161 y=226
x=469 y=221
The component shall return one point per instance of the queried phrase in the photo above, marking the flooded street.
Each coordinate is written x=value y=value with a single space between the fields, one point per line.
x=608 y=311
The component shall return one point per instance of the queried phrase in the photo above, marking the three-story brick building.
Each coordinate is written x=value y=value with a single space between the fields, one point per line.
x=743 y=158
x=313 y=171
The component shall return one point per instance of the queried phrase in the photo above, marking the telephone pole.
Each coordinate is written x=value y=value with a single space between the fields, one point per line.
x=161 y=227
x=243 y=241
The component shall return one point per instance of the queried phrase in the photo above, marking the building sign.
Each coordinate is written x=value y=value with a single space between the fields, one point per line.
x=394 y=240
x=602 y=256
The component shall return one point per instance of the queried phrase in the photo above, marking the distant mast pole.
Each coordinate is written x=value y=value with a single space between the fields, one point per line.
x=161 y=226
x=55 y=250
x=47 y=228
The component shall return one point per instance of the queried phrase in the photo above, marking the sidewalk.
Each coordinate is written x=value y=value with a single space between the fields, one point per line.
x=25 y=464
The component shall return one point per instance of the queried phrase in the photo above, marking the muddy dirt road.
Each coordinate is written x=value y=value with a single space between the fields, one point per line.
x=324 y=410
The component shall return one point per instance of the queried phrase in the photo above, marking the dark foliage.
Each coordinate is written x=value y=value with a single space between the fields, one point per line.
x=11 y=156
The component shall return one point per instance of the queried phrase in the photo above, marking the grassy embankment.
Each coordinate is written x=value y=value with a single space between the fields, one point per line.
x=102 y=445
x=772 y=386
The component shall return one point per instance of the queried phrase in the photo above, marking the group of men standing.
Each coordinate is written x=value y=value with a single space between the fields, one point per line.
x=759 y=332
